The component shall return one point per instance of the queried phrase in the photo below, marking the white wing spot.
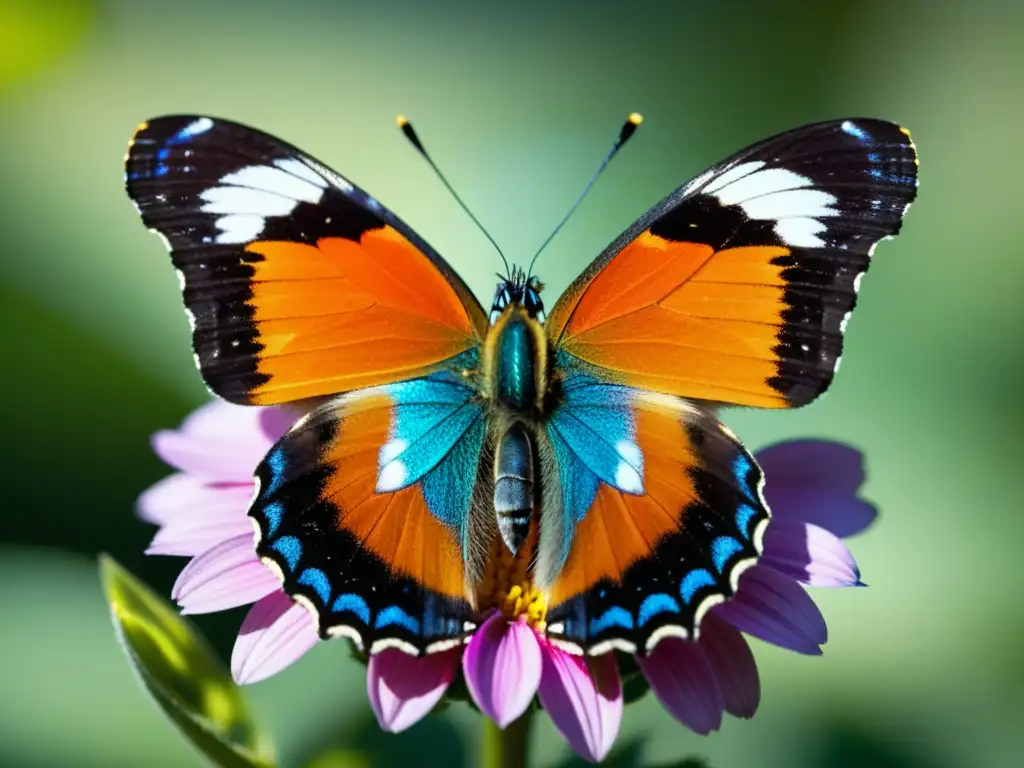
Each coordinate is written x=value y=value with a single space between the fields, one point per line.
x=760 y=183
x=277 y=181
x=239 y=228
x=246 y=201
x=392 y=476
x=800 y=232
x=300 y=169
x=727 y=178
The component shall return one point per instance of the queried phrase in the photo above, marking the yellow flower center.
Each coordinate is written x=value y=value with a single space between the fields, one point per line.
x=507 y=586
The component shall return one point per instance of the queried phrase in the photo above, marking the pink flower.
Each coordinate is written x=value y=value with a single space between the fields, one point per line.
x=508 y=662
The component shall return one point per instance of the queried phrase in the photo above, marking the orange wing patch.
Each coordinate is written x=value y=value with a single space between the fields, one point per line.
x=396 y=527
x=342 y=315
x=619 y=528
x=681 y=318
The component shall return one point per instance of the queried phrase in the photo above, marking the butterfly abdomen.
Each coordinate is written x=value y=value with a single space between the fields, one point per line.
x=513 y=486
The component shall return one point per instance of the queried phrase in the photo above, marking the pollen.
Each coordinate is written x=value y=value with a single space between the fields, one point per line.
x=507 y=586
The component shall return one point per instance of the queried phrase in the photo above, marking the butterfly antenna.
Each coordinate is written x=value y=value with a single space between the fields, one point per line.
x=410 y=134
x=628 y=129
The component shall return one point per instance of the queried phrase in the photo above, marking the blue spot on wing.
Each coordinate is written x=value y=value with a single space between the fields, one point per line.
x=273 y=512
x=851 y=128
x=393 y=615
x=429 y=417
x=317 y=579
x=722 y=549
x=616 y=616
x=744 y=514
x=276 y=463
x=693 y=581
x=594 y=421
x=353 y=604
x=655 y=604
x=290 y=548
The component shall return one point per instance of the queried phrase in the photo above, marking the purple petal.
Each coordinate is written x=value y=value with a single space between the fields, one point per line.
x=842 y=515
x=404 y=688
x=584 y=704
x=809 y=554
x=219 y=442
x=502 y=666
x=275 y=633
x=817 y=481
x=224 y=577
x=776 y=609
x=813 y=464
x=275 y=421
x=685 y=683
x=733 y=664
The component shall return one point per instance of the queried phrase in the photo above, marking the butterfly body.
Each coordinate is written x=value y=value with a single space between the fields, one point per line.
x=453 y=458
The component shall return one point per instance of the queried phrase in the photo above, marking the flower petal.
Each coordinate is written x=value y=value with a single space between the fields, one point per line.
x=584 y=704
x=685 y=683
x=816 y=481
x=809 y=554
x=733 y=664
x=773 y=607
x=839 y=513
x=404 y=688
x=180 y=494
x=276 y=632
x=813 y=464
x=189 y=540
x=275 y=421
x=224 y=577
x=502 y=666
x=219 y=442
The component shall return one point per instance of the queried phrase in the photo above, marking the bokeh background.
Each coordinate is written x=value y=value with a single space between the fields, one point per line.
x=518 y=102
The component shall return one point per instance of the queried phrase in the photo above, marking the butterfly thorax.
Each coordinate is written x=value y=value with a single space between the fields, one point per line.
x=515 y=381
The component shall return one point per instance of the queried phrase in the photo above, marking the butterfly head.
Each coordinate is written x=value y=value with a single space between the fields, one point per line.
x=518 y=290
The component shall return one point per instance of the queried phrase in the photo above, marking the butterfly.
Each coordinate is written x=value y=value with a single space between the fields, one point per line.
x=447 y=451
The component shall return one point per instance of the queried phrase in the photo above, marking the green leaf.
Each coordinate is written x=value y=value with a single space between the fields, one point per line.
x=340 y=758
x=182 y=673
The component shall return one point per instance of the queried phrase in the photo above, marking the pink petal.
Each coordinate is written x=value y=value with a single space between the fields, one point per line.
x=502 y=666
x=189 y=540
x=685 y=683
x=733 y=663
x=276 y=632
x=809 y=554
x=181 y=495
x=776 y=609
x=219 y=442
x=817 y=481
x=224 y=577
x=584 y=704
x=404 y=688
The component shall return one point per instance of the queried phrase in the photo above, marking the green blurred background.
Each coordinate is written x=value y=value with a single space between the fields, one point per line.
x=518 y=102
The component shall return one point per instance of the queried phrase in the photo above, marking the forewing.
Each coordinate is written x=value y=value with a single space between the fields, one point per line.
x=737 y=287
x=298 y=284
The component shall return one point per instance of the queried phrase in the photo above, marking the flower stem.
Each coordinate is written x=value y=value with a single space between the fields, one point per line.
x=506 y=748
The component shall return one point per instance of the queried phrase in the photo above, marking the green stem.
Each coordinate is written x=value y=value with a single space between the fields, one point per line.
x=507 y=748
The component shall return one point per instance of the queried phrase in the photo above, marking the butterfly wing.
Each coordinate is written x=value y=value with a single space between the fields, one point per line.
x=297 y=282
x=363 y=509
x=737 y=287
x=660 y=512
